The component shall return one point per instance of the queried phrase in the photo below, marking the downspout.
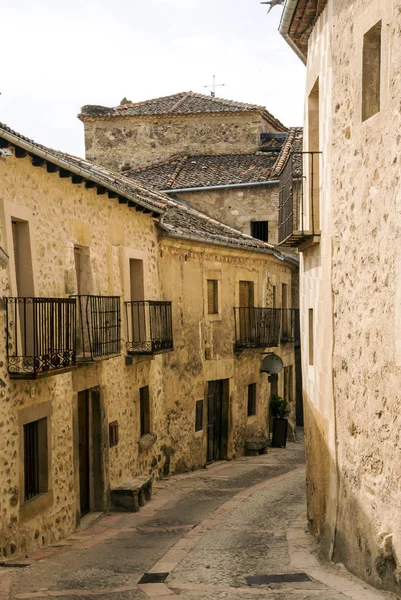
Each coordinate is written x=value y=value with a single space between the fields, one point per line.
x=221 y=187
x=285 y=24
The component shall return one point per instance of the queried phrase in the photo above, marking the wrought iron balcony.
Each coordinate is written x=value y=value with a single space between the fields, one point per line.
x=257 y=327
x=98 y=327
x=41 y=336
x=298 y=213
x=149 y=326
x=289 y=325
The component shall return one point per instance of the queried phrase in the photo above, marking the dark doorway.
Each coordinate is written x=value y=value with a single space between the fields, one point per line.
x=217 y=420
x=84 y=466
x=90 y=455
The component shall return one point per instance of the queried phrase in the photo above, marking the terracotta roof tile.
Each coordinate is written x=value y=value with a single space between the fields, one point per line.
x=184 y=103
x=206 y=170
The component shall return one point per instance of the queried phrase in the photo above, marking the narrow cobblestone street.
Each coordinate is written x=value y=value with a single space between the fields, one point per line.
x=209 y=530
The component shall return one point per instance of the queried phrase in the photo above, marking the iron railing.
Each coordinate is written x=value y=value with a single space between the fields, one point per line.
x=98 y=327
x=257 y=327
x=298 y=213
x=41 y=336
x=149 y=327
x=289 y=320
x=265 y=327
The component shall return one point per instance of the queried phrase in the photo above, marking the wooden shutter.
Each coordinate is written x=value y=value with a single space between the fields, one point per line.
x=246 y=293
x=16 y=248
x=78 y=268
x=212 y=297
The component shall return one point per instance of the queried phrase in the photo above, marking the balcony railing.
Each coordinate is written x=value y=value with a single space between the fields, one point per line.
x=98 y=327
x=149 y=326
x=257 y=327
x=41 y=336
x=298 y=214
x=265 y=327
x=289 y=325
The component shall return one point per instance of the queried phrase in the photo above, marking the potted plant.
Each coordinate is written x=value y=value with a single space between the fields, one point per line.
x=280 y=410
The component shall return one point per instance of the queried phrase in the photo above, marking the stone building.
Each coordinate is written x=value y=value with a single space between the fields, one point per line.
x=133 y=331
x=344 y=220
x=222 y=157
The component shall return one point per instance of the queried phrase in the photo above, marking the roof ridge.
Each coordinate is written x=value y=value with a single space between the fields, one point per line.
x=158 y=163
x=141 y=102
x=177 y=171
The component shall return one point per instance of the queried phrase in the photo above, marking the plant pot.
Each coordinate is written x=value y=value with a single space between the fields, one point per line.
x=279 y=439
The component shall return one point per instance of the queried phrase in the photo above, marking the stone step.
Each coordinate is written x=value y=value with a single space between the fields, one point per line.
x=131 y=494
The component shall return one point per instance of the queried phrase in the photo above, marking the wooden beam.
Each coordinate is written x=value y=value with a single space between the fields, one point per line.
x=100 y=191
x=122 y=200
x=37 y=161
x=89 y=184
x=4 y=143
x=64 y=174
x=51 y=167
x=77 y=179
x=112 y=194
x=132 y=204
x=20 y=152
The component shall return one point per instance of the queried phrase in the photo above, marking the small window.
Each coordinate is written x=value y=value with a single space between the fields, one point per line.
x=35 y=459
x=260 y=230
x=113 y=433
x=144 y=409
x=371 y=71
x=251 y=399
x=310 y=330
x=288 y=383
x=212 y=297
x=199 y=415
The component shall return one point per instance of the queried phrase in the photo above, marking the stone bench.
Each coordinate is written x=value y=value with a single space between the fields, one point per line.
x=131 y=495
x=256 y=445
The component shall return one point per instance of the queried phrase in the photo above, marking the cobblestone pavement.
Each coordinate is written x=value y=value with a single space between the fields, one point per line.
x=209 y=530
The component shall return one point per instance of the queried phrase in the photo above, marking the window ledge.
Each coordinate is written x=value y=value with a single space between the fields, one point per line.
x=213 y=317
x=39 y=503
x=147 y=441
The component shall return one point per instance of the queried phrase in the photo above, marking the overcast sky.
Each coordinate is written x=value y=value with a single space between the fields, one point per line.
x=58 y=56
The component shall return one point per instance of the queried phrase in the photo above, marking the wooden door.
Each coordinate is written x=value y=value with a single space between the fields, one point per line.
x=246 y=302
x=84 y=467
x=214 y=420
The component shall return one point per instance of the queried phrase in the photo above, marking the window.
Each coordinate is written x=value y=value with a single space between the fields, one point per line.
x=22 y=257
x=199 y=415
x=144 y=410
x=260 y=230
x=312 y=161
x=212 y=297
x=371 y=65
x=137 y=287
x=310 y=330
x=35 y=459
x=251 y=399
x=113 y=433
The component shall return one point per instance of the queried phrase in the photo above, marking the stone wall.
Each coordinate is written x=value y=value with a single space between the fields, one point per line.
x=204 y=344
x=237 y=207
x=134 y=141
x=60 y=216
x=366 y=291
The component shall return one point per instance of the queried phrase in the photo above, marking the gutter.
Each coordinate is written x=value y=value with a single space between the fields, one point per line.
x=189 y=237
x=29 y=147
x=285 y=24
x=221 y=187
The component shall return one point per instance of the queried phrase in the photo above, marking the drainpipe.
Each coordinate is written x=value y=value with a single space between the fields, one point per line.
x=221 y=187
x=285 y=24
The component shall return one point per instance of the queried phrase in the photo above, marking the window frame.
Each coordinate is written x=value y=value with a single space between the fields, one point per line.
x=252 y=400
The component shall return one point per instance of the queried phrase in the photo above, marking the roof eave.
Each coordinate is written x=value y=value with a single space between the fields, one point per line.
x=285 y=24
x=64 y=164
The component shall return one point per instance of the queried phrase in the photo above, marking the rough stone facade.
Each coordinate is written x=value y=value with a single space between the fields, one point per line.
x=60 y=216
x=239 y=206
x=352 y=281
x=122 y=143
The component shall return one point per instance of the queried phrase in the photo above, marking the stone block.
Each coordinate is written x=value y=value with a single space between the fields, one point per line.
x=255 y=446
x=131 y=495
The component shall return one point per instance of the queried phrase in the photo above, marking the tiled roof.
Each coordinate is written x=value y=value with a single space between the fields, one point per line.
x=305 y=15
x=184 y=103
x=185 y=222
x=114 y=182
x=176 y=220
x=222 y=169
